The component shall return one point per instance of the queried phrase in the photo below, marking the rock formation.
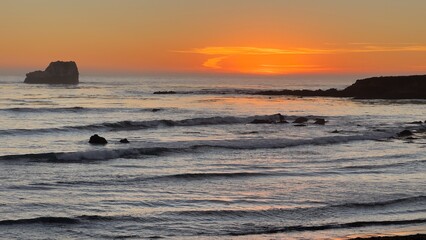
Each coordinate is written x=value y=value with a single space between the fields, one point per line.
x=320 y=121
x=300 y=120
x=97 y=140
x=403 y=87
x=56 y=73
x=394 y=87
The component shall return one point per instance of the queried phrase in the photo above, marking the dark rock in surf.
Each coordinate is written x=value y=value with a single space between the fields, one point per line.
x=56 y=73
x=300 y=125
x=155 y=110
x=416 y=122
x=261 y=121
x=405 y=133
x=97 y=140
x=320 y=121
x=281 y=118
x=335 y=131
x=165 y=92
x=124 y=140
x=300 y=120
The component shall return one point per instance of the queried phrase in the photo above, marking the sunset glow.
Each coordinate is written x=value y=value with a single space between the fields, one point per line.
x=250 y=37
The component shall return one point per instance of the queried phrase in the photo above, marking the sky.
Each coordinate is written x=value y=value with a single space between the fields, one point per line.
x=222 y=36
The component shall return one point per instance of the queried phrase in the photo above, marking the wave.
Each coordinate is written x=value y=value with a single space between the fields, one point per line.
x=385 y=203
x=210 y=175
x=140 y=125
x=184 y=147
x=61 y=220
x=76 y=109
x=302 y=211
x=240 y=230
x=41 y=220
x=43 y=110
x=173 y=177
x=300 y=228
x=240 y=144
x=132 y=125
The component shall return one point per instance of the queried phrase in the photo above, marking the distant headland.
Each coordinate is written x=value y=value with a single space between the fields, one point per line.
x=56 y=73
x=391 y=87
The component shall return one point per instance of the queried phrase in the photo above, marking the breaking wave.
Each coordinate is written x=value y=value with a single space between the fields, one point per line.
x=179 y=147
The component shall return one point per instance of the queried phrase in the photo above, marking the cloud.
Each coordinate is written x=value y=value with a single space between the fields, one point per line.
x=214 y=62
x=223 y=52
x=229 y=51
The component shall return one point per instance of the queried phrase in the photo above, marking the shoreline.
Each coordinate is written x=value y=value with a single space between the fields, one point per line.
x=418 y=236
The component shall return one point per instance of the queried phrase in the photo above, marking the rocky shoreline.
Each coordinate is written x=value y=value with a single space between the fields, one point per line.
x=405 y=237
x=393 y=87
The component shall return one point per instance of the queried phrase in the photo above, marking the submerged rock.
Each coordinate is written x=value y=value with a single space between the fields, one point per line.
x=165 y=92
x=300 y=120
x=124 y=140
x=56 y=73
x=261 y=121
x=320 y=121
x=96 y=139
x=405 y=133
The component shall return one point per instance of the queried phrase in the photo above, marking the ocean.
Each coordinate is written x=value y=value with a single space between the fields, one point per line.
x=197 y=168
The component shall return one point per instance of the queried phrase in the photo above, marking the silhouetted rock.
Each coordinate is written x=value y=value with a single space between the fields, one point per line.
x=300 y=120
x=261 y=121
x=405 y=133
x=335 y=131
x=281 y=118
x=95 y=139
x=165 y=92
x=300 y=125
x=124 y=140
x=56 y=73
x=320 y=121
x=416 y=122
x=401 y=87
x=393 y=87
x=155 y=109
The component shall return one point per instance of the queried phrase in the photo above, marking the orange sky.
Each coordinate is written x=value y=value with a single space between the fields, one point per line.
x=224 y=36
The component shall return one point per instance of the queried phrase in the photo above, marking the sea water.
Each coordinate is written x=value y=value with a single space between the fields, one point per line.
x=197 y=168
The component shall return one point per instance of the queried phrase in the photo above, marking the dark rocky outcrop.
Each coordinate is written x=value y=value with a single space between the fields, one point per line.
x=300 y=120
x=124 y=140
x=56 y=73
x=97 y=140
x=165 y=92
x=403 y=87
x=393 y=87
x=405 y=133
x=320 y=121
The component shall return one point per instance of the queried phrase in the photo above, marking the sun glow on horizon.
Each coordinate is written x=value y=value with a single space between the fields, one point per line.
x=258 y=60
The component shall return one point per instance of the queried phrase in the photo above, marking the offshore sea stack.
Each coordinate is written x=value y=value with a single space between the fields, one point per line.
x=56 y=73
